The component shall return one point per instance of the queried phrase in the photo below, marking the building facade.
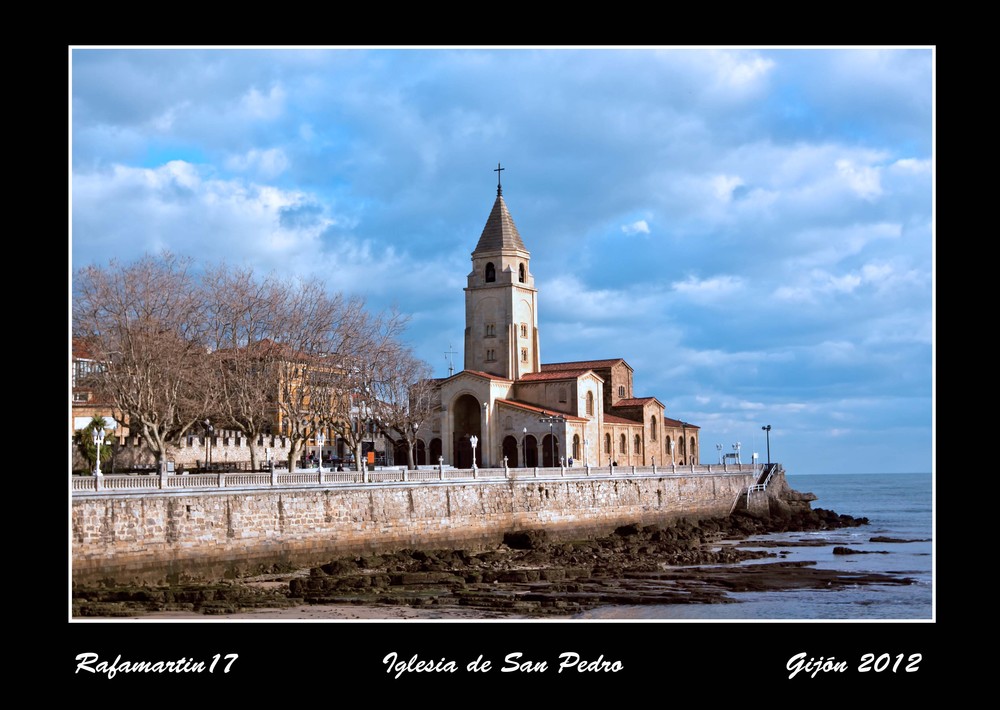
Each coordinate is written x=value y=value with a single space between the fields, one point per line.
x=508 y=404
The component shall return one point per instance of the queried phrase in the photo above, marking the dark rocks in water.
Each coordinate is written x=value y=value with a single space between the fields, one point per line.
x=525 y=539
x=848 y=551
x=682 y=562
x=896 y=539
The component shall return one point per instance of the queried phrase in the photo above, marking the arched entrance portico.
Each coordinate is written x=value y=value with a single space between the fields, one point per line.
x=510 y=450
x=467 y=421
x=550 y=450
x=530 y=451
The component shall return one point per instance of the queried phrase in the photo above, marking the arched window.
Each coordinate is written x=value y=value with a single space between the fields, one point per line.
x=652 y=428
x=694 y=454
x=520 y=273
x=590 y=404
x=607 y=443
x=621 y=390
x=491 y=273
x=576 y=446
x=670 y=445
x=622 y=446
x=637 y=445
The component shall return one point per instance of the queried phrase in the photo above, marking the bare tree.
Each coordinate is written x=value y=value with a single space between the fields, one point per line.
x=404 y=399
x=146 y=323
x=314 y=331
x=372 y=349
x=243 y=316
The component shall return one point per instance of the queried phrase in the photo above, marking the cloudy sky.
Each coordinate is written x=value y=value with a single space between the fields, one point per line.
x=751 y=229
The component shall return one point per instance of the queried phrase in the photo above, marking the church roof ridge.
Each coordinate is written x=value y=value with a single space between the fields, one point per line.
x=540 y=410
x=555 y=375
x=500 y=232
x=583 y=364
x=635 y=401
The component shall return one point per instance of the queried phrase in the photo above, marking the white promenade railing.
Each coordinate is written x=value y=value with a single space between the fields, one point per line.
x=310 y=478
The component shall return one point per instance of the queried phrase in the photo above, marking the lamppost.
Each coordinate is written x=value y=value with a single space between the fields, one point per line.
x=473 y=440
x=524 y=446
x=98 y=435
x=586 y=452
x=767 y=434
x=208 y=443
x=672 y=462
x=554 y=419
x=736 y=448
x=719 y=449
x=319 y=442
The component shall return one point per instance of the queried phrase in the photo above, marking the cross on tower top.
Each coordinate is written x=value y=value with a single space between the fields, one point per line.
x=497 y=170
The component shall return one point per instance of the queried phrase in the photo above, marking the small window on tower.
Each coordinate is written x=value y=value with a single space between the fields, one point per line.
x=524 y=354
x=524 y=330
x=491 y=273
x=491 y=330
x=520 y=273
x=491 y=355
x=621 y=390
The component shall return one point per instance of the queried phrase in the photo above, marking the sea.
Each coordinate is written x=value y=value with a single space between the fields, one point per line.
x=898 y=505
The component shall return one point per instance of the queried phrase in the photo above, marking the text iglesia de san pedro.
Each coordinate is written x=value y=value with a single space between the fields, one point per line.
x=511 y=404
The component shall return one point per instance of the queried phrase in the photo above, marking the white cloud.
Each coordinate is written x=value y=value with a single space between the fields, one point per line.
x=266 y=163
x=708 y=290
x=724 y=185
x=637 y=227
x=864 y=180
x=192 y=212
x=913 y=165
x=265 y=106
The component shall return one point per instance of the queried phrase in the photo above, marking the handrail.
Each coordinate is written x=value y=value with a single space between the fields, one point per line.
x=128 y=484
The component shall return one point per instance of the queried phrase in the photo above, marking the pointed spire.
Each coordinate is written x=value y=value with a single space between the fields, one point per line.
x=500 y=232
x=497 y=171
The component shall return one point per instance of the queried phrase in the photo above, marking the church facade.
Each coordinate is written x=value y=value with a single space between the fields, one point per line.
x=507 y=403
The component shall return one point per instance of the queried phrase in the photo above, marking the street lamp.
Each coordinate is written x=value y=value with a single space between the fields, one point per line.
x=586 y=452
x=736 y=448
x=672 y=462
x=719 y=448
x=208 y=443
x=474 y=440
x=319 y=442
x=767 y=434
x=554 y=419
x=98 y=435
x=524 y=446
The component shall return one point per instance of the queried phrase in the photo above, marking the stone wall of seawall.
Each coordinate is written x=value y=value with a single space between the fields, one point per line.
x=173 y=536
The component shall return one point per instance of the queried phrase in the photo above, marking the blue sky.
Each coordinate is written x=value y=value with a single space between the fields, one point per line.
x=750 y=228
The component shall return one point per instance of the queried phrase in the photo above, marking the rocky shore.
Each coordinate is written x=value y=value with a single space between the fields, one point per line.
x=527 y=576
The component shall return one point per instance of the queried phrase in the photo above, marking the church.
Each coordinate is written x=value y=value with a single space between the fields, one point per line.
x=507 y=404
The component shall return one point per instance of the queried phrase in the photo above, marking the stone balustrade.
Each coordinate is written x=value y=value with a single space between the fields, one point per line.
x=129 y=484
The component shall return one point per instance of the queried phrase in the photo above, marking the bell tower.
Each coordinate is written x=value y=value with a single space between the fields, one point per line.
x=501 y=302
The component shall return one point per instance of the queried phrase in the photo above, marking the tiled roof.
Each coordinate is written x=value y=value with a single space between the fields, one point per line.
x=500 y=231
x=477 y=373
x=82 y=350
x=585 y=364
x=612 y=419
x=553 y=375
x=635 y=401
x=667 y=421
x=533 y=408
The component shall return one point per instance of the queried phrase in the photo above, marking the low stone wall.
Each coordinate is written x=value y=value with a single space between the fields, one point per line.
x=168 y=536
